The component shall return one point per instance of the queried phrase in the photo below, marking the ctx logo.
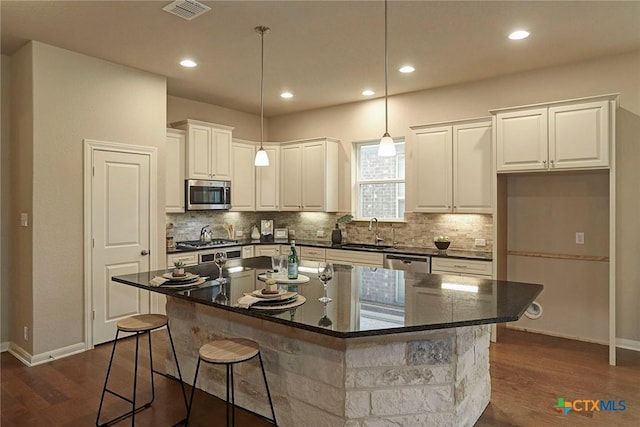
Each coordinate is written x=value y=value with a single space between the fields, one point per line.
x=589 y=405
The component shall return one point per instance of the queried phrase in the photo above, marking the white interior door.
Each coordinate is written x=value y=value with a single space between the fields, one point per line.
x=120 y=228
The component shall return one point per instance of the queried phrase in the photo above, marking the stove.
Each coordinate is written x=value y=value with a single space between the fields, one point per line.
x=199 y=244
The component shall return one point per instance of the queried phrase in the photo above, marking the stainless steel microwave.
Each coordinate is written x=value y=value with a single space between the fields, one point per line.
x=204 y=195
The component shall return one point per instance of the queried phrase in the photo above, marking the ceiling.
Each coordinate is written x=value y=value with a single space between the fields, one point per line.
x=324 y=52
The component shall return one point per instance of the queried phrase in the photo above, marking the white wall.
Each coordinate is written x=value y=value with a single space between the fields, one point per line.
x=5 y=116
x=77 y=97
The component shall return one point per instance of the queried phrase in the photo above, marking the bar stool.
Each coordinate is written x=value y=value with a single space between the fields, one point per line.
x=228 y=352
x=139 y=324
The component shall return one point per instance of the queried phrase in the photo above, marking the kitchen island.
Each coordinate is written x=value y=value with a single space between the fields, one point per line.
x=391 y=348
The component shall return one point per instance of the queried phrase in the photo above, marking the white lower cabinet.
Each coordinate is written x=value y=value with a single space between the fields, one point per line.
x=187 y=258
x=248 y=252
x=341 y=256
x=266 y=250
x=462 y=267
x=308 y=253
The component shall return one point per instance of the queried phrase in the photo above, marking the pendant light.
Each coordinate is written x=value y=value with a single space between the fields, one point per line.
x=262 y=159
x=386 y=146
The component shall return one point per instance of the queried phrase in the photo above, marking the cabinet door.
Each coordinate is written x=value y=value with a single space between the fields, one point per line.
x=247 y=252
x=267 y=250
x=221 y=154
x=174 y=172
x=521 y=140
x=472 y=172
x=199 y=141
x=243 y=177
x=579 y=135
x=268 y=182
x=313 y=176
x=433 y=170
x=290 y=177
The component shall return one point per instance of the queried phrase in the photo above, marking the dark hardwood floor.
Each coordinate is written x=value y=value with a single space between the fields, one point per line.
x=529 y=373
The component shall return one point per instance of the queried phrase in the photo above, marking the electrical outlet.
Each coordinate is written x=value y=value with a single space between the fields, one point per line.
x=292 y=232
x=481 y=242
x=26 y=333
x=579 y=238
x=238 y=233
x=320 y=233
x=24 y=219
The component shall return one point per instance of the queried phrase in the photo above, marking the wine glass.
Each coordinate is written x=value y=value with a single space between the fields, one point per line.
x=325 y=274
x=221 y=297
x=220 y=258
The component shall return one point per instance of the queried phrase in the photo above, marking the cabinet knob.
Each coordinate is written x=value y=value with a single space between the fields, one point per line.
x=544 y=162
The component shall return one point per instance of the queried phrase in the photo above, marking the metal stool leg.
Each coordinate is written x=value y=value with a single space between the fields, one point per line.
x=266 y=384
x=193 y=392
x=175 y=357
x=135 y=382
x=106 y=380
x=233 y=399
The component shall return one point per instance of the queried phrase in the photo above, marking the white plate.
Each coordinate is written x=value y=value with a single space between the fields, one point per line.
x=280 y=296
x=301 y=279
x=258 y=293
x=187 y=276
x=198 y=282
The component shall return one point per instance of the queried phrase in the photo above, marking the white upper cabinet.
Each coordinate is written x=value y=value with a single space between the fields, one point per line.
x=564 y=135
x=243 y=176
x=309 y=176
x=472 y=167
x=174 y=172
x=453 y=167
x=268 y=182
x=208 y=149
x=434 y=191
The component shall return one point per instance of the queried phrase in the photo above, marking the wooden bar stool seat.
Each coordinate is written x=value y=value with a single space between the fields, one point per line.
x=138 y=324
x=228 y=352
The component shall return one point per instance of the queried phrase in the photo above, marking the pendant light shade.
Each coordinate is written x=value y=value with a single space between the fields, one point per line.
x=262 y=159
x=386 y=146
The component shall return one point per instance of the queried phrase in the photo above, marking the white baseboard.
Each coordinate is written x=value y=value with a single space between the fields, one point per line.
x=38 y=359
x=628 y=344
x=4 y=346
x=559 y=335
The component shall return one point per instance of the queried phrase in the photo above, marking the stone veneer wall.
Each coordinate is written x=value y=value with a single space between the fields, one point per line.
x=415 y=379
x=418 y=230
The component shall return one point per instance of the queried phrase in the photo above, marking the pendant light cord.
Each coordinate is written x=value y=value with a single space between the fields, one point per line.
x=386 y=108
x=262 y=31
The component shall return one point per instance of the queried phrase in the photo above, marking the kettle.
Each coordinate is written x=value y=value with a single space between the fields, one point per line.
x=205 y=235
x=255 y=234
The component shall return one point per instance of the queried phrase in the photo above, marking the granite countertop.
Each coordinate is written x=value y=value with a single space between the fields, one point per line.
x=407 y=250
x=366 y=301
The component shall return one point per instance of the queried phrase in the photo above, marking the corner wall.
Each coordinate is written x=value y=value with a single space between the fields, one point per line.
x=76 y=97
x=5 y=199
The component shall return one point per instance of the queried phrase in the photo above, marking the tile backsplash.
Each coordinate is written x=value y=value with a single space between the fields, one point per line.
x=418 y=229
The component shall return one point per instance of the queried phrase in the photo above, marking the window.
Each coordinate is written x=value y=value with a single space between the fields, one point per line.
x=379 y=186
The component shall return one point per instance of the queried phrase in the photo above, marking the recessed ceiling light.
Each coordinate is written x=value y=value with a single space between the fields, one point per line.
x=286 y=95
x=407 y=69
x=188 y=63
x=368 y=92
x=519 y=35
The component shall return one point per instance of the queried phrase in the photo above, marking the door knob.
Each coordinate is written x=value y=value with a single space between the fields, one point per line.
x=144 y=252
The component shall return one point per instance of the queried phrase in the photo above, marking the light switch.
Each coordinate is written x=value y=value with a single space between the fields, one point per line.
x=580 y=238
x=24 y=219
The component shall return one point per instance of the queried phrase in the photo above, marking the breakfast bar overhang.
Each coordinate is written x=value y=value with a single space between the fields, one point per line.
x=391 y=348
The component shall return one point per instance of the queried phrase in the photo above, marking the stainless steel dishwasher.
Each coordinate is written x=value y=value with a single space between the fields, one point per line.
x=415 y=263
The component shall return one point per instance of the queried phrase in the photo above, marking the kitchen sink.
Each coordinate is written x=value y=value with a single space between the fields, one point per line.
x=366 y=246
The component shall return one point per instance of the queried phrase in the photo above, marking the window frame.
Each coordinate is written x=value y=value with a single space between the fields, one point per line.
x=356 y=182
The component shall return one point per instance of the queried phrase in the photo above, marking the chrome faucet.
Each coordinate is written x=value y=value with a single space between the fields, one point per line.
x=377 y=238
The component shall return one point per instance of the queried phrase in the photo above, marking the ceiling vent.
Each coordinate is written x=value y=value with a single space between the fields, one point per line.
x=186 y=9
